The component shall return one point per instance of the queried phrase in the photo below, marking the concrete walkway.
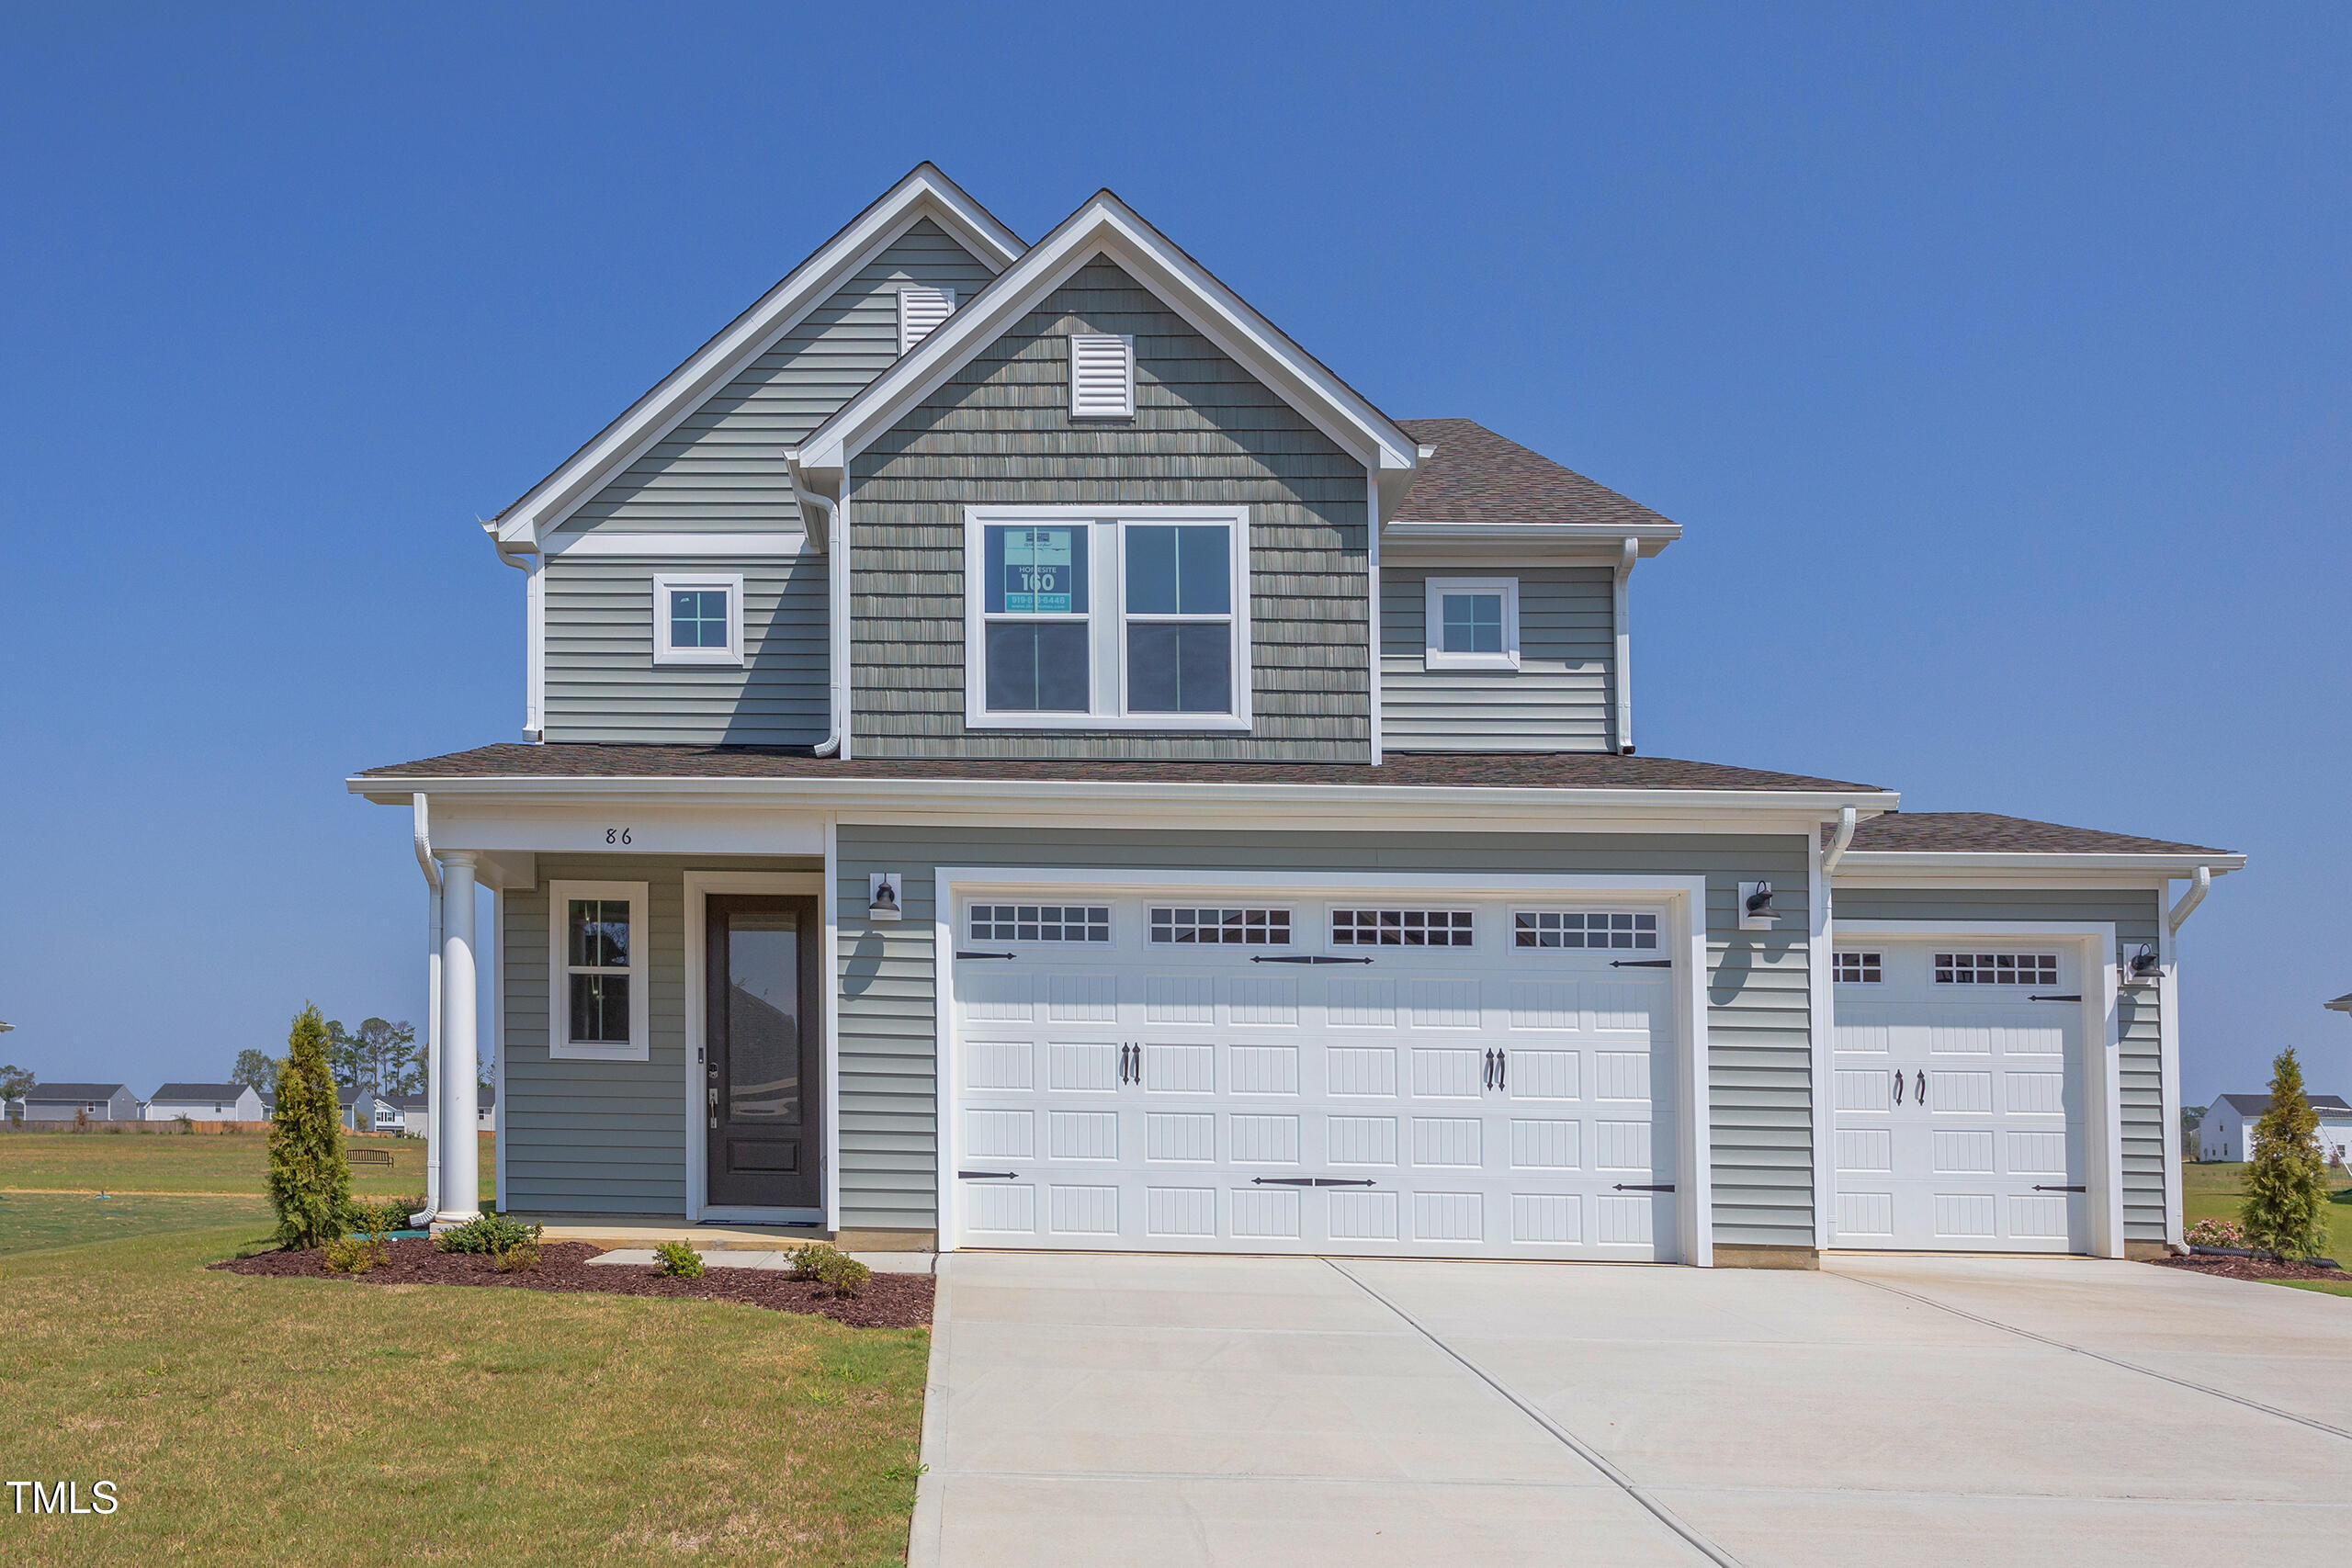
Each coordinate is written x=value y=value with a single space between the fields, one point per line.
x=1156 y=1411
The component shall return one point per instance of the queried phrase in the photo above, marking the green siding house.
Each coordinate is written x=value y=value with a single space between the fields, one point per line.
x=1018 y=752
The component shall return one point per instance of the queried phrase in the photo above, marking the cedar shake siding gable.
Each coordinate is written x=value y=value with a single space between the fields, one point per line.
x=1205 y=432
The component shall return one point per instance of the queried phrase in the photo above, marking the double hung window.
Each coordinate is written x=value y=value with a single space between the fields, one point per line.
x=1136 y=620
x=599 y=1009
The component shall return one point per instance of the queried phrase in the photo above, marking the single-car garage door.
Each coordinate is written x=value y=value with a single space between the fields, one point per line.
x=1442 y=1075
x=1959 y=1094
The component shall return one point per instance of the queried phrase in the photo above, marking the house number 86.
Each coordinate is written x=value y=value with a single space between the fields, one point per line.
x=617 y=835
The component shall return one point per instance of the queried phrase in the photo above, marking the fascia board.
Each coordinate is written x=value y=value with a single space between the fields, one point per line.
x=1030 y=796
x=1651 y=536
x=1882 y=865
x=1106 y=226
x=925 y=193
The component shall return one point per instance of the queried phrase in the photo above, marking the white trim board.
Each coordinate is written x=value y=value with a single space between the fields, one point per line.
x=2102 y=1022
x=639 y=974
x=700 y=885
x=678 y=546
x=1683 y=899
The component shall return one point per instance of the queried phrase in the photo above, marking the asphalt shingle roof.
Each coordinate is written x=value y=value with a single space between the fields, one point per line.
x=41 y=1093
x=2255 y=1104
x=1984 y=832
x=1513 y=769
x=197 y=1092
x=1477 y=476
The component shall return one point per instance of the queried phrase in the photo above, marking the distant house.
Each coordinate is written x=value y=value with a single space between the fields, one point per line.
x=415 y=1109
x=63 y=1101
x=2227 y=1132
x=206 y=1103
x=372 y=1112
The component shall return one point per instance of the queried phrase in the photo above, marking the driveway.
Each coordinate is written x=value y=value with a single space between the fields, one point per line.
x=1966 y=1411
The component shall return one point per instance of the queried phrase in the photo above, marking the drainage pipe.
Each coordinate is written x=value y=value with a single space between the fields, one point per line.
x=421 y=806
x=837 y=605
x=2197 y=887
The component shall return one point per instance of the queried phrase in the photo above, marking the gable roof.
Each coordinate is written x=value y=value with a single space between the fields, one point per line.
x=924 y=193
x=2255 y=1104
x=198 y=1092
x=1475 y=478
x=62 y=1093
x=1105 y=225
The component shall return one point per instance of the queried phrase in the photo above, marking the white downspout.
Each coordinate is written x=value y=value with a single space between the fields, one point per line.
x=2201 y=884
x=1619 y=600
x=533 y=648
x=421 y=806
x=836 y=606
x=1840 y=842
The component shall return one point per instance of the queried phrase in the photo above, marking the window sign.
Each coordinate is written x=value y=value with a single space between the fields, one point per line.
x=1037 y=570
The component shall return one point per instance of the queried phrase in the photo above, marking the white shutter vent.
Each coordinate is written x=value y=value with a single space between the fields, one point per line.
x=1102 y=376
x=920 y=309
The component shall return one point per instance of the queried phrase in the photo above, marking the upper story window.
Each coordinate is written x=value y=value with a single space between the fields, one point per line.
x=1102 y=376
x=1472 y=623
x=920 y=312
x=698 y=619
x=1076 y=620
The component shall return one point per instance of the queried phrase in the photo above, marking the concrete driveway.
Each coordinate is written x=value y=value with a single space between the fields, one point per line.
x=1187 y=1410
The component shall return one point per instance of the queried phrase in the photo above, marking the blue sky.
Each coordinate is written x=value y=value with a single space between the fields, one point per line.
x=1995 y=360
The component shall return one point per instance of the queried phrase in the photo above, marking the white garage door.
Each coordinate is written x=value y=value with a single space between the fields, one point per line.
x=1959 y=1097
x=1440 y=1076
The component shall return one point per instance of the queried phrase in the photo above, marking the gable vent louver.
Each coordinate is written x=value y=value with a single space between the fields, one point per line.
x=920 y=311
x=1102 y=376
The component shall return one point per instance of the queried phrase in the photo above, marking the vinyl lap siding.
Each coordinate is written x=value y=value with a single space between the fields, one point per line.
x=722 y=468
x=2147 y=1144
x=602 y=682
x=1759 y=1085
x=1204 y=432
x=1560 y=697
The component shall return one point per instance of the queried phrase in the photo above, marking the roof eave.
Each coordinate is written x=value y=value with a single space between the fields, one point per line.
x=2170 y=863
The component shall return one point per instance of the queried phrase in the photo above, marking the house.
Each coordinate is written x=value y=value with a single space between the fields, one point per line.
x=206 y=1103
x=68 y=1101
x=373 y=1112
x=416 y=1112
x=2227 y=1132
x=1019 y=752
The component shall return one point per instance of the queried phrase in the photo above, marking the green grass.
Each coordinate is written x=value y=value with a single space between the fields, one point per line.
x=194 y=1162
x=276 y=1421
x=34 y=1222
x=2214 y=1191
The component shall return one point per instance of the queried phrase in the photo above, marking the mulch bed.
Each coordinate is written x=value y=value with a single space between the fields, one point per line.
x=2255 y=1269
x=888 y=1301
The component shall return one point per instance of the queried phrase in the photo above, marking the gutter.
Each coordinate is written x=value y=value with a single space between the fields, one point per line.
x=1847 y=821
x=2200 y=883
x=836 y=606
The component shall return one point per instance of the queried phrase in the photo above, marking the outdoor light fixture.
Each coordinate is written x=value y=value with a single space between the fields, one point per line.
x=1755 y=912
x=2141 y=967
x=882 y=896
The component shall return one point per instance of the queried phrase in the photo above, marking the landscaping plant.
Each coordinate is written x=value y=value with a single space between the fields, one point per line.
x=830 y=1265
x=493 y=1234
x=2216 y=1233
x=310 y=1185
x=676 y=1261
x=2286 y=1183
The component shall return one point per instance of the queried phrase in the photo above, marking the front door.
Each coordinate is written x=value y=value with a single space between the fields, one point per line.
x=761 y=1053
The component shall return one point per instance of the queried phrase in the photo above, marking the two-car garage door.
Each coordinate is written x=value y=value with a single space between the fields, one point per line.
x=1249 y=1072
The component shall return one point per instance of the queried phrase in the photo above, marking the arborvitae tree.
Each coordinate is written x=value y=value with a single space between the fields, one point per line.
x=310 y=1185
x=2286 y=1184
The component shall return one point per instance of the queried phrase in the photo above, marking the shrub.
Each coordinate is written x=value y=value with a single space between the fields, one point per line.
x=309 y=1186
x=379 y=1216
x=493 y=1234
x=808 y=1260
x=830 y=1265
x=522 y=1259
x=676 y=1261
x=184 y=1122
x=2286 y=1183
x=2216 y=1233
x=355 y=1255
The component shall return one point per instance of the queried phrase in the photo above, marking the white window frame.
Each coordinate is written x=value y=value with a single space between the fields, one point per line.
x=1435 y=657
x=561 y=1046
x=664 y=653
x=946 y=296
x=1126 y=407
x=1107 y=621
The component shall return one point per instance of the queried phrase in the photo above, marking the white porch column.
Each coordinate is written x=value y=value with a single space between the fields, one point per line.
x=460 y=1150
x=432 y=1054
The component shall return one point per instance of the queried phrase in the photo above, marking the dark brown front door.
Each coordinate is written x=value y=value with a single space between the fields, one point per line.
x=762 y=1053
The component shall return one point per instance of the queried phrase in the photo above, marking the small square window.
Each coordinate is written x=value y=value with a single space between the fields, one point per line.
x=698 y=619
x=1858 y=968
x=1472 y=623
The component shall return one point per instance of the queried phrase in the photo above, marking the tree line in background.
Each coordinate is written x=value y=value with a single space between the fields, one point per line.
x=379 y=1055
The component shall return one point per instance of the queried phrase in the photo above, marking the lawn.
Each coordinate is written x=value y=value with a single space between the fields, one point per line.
x=2213 y=1192
x=194 y=1162
x=276 y=1421
x=32 y=1222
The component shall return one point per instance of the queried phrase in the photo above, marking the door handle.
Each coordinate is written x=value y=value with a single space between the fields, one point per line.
x=1898 y=1089
x=1503 y=1069
x=1919 y=1091
x=1487 y=1080
x=1123 y=1063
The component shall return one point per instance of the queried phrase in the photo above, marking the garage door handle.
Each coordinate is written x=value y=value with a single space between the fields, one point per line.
x=1311 y=958
x=2039 y=1188
x=1920 y=1093
x=1312 y=1182
x=987 y=1174
x=1488 y=1080
x=1641 y=964
x=984 y=955
x=1898 y=1089
x=2075 y=997
x=1502 y=1068
x=1636 y=1187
